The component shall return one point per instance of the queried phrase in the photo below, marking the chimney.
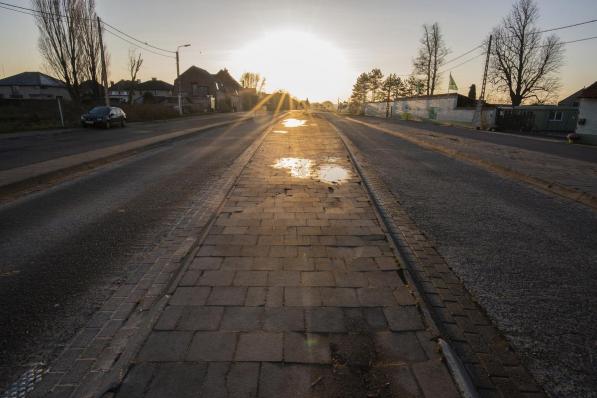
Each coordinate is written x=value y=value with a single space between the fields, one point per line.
x=154 y=79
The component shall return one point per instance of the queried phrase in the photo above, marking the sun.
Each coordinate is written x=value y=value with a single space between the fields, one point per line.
x=302 y=63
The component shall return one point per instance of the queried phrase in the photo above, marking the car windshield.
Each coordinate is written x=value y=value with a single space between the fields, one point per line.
x=100 y=110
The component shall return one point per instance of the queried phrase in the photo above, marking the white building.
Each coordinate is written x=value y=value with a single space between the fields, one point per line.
x=587 y=117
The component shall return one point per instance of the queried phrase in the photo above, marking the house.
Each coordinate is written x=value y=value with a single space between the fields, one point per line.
x=119 y=91
x=548 y=119
x=206 y=92
x=587 y=115
x=33 y=85
x=155 y=89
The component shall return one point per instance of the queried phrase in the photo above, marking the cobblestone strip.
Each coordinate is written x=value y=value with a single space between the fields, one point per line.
x=490 y=361
x=295 y=291
x=95 y=350
x=572 y=179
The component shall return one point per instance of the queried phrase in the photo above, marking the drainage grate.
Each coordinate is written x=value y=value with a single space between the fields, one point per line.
x=25 y=383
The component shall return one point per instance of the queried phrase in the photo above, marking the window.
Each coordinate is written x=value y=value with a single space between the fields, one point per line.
x=555 y=116
x=198 y=91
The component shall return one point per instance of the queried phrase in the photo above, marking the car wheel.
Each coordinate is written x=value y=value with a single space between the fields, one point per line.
x=122 y=122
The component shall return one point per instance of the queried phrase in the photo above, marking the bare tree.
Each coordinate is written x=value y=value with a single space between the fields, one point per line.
x=60 y=41
x=250 y=80
x=523 y=64
x=91 y=47
x=135 y=63
x=432 y=55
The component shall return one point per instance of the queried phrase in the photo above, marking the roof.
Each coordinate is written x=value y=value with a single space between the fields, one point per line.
x=155 y=85
x=121 y=85
x=589 y=92
x=32 y=79
x=229 y=82
x=569 y=100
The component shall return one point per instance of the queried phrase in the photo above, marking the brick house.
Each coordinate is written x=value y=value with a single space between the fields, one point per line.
x=206 y=92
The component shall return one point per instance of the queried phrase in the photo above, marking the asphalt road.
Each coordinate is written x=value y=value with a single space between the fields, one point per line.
x=530 y=259
x=64 y=248
x=532 y=143
x=27 y=148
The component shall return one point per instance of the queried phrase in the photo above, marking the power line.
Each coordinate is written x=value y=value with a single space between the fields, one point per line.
x=137 y=40
x=12 y=9
x=541 y=31
x=30 y=11
x=577 y=40
x=135 y=44
x=462 y=63
x=460 y=56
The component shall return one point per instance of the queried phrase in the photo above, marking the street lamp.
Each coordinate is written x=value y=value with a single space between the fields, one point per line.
x=178 y=78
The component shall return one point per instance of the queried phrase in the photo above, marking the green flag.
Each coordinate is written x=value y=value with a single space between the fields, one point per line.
x=452 y=85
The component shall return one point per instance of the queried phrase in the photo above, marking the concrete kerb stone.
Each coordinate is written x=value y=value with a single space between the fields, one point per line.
x=112 y=365
x=428 y=272
x=458 y=372
x=549 y=187
x=14 y=180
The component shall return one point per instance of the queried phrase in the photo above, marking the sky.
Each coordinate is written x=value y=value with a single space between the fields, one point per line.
x=312 y=48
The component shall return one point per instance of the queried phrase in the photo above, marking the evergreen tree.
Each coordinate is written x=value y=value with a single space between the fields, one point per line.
x=472 y=92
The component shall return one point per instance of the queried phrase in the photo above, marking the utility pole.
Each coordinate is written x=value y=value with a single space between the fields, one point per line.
x=178 y=78
x=104 y=70
x=477 y=119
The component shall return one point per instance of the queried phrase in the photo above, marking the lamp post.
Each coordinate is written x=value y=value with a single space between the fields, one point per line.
x=178 y=77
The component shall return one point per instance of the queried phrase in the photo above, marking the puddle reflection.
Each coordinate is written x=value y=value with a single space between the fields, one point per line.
x=293 y=122
x=333 y=174
x=303 y=168
x=298 y=167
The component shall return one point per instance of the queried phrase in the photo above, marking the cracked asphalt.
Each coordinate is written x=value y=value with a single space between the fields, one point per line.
x=64 y=249
x=529 y=259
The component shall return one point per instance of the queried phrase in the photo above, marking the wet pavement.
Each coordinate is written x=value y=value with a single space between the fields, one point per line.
x=295 y=291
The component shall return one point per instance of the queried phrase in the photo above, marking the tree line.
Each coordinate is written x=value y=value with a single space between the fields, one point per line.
x=523 y=65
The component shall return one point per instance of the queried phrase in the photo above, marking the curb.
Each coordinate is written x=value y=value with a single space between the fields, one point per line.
x=109 y=382
x=14 y=180
x=581 y=197
x=457 y=369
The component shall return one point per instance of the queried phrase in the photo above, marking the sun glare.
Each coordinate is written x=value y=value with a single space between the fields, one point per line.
x=302 y=63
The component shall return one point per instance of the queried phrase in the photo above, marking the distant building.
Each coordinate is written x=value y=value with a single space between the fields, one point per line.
x=119 y=91
x=587 y=117
x=206 y=92
x=33 y=85
x=158 y=90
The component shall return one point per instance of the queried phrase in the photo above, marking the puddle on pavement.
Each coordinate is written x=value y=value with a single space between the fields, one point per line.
x=298 y=167
x=304 y=168
x=333 y=174
x=280 y=132
x=293 y=122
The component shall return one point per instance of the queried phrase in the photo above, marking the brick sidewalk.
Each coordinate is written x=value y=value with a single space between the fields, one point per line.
x=294 y=292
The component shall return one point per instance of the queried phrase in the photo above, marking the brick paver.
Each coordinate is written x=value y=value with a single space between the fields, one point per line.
x=295 y=291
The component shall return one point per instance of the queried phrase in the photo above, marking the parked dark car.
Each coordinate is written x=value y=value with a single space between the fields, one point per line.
x=104 y=116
